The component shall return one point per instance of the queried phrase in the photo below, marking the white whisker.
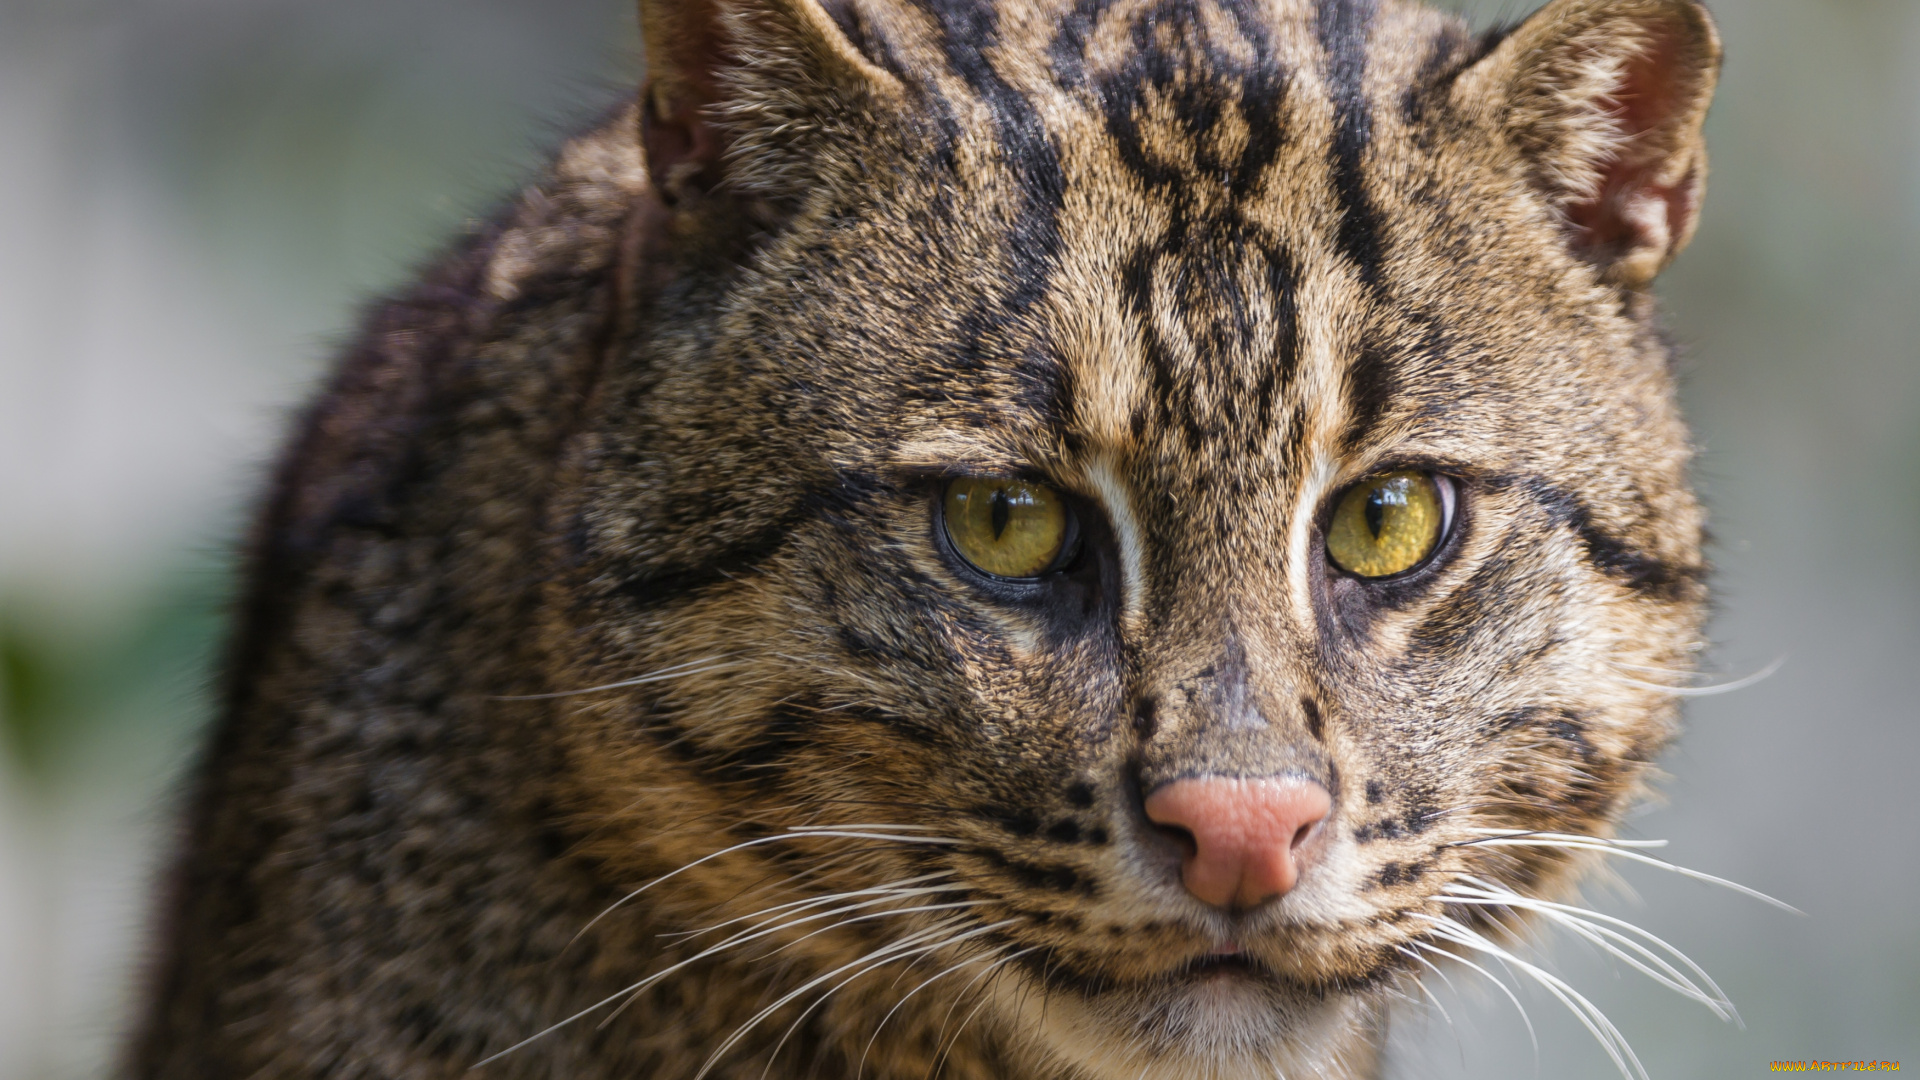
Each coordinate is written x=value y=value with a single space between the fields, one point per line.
x=1428 y=964
x=631 y=993
x=904 y=998
x=910 y=945
x=902 y=887
x=1589 y=1015
x=1581 y=921
x=754 y=934
x=1621 y=848
x=956 y=905
x=1495 y=980
x=1709 y=691
x=942 y=1042
x=678 y=671
x=790 y=834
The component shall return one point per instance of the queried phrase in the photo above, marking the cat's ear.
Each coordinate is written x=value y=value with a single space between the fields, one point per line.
x=748 y=93
x=1605 y=99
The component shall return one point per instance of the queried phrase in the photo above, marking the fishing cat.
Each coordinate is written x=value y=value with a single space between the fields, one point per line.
x=978 y=538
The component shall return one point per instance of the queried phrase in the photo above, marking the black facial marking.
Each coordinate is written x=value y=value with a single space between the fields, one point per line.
x=1017 y=822
x=1080 y=794
x=1218 y=263
x=1342 y=27
x=1310 y=709
x=969 y=31
x=1395 y=873
x=1054 y=878
x=663 y=585
x=1614 y=556
x=1145 y=716
x=1373 y=384
x=1065 y=831
x=1384 y=829
x=1376 y=792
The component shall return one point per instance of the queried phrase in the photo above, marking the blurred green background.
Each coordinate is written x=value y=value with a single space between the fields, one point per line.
x=199 y=195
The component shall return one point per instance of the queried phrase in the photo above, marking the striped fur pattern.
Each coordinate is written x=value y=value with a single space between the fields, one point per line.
x=612 y=560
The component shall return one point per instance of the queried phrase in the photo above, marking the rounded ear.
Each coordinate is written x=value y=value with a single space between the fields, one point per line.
x=748 y=92
x=1605 y=100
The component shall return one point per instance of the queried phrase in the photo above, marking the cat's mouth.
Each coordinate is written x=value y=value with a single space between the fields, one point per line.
x=1220 y=967
x=1226 y=962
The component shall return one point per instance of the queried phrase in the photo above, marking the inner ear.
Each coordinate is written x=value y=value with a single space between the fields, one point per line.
x=684 y=145
x=756 y=94
x=1643 y=202
x=1604 y=100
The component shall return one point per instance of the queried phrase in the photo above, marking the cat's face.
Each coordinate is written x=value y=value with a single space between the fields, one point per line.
x=1029 y=466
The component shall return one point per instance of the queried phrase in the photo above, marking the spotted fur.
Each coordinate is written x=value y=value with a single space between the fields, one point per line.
x=614 y=545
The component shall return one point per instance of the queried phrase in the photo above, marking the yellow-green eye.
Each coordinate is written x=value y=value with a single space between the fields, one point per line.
x=1008 y=528
x=1386 y=524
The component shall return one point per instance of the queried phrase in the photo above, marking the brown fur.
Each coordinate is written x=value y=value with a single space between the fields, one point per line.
x=1198 y=264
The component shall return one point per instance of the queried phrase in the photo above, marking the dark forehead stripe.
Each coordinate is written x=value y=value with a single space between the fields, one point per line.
x=968 y=29
x=1341 y=27
x=1169 y=107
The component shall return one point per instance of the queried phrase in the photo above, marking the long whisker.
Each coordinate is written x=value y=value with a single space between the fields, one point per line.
x=1621 y=848
x=955 y=906
x=808 y=1011
x=861 y=1068
x=1589 y=1015
x=909 y=945
x=1495 y=980
x=633 y=993
x=1709 y=691
x=902 y=887
x=1581 y=922
x=1428 y=964
x=678 y=671
x=945 y=1045
x=797 y=832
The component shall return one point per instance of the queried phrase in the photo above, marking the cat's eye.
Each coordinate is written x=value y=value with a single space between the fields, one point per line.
x=1007 y=528
x=1388 y=524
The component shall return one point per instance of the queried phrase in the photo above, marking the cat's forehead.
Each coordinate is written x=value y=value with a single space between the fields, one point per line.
x=1232 y=231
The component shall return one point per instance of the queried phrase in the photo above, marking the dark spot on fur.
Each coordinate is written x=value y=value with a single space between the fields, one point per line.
x=1384 y=829
x=1145 y=713
x=1017 y=822
x=1395 y=873
x=1064 y=832
x=1080 y=794
x=1376 y=792
x=1049 y=878
x=1311 y=710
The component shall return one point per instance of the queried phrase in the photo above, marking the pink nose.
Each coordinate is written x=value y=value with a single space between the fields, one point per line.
x=1251 y=838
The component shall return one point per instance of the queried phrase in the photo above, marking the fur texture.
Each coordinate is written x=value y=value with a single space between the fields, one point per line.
x=614 y=546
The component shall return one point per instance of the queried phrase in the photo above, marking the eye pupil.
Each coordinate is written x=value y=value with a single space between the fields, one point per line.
x=1376 y=510
x=1002 y=512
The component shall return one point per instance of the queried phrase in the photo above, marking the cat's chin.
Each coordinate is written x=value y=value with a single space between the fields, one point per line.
x=1223 y=1023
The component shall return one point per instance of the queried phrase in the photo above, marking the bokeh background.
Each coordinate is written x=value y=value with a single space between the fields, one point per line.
x=196 y=196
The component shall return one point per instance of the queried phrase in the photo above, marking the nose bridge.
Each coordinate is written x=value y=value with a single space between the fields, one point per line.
x=1228 y=704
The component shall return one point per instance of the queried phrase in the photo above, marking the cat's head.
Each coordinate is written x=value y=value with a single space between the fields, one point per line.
x=1152 y=484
